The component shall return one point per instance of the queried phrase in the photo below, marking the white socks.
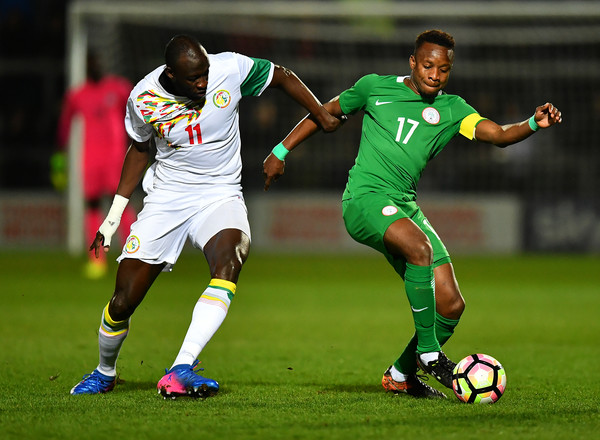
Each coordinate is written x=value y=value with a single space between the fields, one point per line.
x=397 y=375
x=429 y=357
x=425 y=358
x=209 y=313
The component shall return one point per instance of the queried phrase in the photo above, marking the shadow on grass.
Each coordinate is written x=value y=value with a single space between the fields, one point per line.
x=126 y=386
x=132 y=385
x=318 y=388
x=342 y=388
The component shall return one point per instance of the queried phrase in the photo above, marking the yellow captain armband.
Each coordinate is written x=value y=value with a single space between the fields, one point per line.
x=468 y=125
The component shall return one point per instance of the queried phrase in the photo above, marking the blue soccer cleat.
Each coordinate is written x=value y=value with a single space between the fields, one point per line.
x=95 y=383
x=181 y=380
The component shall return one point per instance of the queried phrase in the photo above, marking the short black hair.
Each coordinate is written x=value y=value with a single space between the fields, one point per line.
x=182 y=45
x=435 y=36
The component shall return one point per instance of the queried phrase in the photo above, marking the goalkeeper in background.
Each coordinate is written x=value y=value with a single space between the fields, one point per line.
x=190 y=107
x=407 y=121
x=100 y=104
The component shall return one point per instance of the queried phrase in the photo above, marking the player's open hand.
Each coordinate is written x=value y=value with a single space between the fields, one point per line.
x=547 y=115
x=273 y=169
x=97 y=244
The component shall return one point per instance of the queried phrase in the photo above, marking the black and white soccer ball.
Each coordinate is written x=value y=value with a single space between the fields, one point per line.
x=479 y=378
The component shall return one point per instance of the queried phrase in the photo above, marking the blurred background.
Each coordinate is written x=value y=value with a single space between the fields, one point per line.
x=536 y=196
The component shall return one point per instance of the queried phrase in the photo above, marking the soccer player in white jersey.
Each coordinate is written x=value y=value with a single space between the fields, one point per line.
x=407 y=121
x=189 y=106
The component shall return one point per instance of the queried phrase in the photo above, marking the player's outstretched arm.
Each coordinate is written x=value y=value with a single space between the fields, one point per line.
x=134 y=166
x=504 y=135
x=274 y=164
x=287 y=81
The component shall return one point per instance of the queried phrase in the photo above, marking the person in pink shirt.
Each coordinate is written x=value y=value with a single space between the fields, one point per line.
x=100 y=103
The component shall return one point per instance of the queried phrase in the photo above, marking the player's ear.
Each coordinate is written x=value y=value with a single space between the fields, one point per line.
x=451 y=56
x=412 y=62
x=169 y=72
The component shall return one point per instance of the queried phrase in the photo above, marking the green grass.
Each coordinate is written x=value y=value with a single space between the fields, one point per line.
x=302 y=351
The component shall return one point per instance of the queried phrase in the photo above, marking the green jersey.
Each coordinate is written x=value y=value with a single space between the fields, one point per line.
x=401 y=132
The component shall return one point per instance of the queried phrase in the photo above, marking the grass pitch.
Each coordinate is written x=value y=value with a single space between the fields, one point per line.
x=302 y=351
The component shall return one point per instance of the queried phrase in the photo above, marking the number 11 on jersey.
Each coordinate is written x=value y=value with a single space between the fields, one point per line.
x=195 y=138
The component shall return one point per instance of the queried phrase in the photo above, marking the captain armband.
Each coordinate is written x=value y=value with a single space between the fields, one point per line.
x=469 y=124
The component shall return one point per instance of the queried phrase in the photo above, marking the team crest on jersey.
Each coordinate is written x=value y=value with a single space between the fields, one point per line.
x=132 y=245
x=431 y=115
x=222 y=98
x=389 y=210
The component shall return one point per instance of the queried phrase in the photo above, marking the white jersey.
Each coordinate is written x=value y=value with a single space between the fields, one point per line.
x=197 y=146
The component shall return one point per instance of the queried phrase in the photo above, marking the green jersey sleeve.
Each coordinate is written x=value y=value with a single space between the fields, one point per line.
x=355 y=98
x=256 y=81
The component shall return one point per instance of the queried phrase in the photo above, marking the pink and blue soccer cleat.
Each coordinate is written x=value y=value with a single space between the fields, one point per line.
x=95 y=383
x=181 y=380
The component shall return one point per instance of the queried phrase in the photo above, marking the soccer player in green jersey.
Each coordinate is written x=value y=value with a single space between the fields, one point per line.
x=407 y=121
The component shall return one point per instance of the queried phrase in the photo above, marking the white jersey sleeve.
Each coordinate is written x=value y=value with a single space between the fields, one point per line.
x=136 y=127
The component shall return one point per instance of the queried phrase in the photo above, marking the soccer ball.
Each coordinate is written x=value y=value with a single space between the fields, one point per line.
x=479 y=378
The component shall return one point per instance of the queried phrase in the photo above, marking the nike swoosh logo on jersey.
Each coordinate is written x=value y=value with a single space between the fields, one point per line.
x=378 y=102
x=418 y=310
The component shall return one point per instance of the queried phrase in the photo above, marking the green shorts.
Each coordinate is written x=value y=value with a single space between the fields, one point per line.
x=368 y=216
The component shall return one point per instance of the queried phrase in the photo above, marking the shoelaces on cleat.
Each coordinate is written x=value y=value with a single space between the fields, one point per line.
x=421 y=383
x=93 y=381
x=191 y=374
x=423 y=377
x=196 y=366
x=447 y=363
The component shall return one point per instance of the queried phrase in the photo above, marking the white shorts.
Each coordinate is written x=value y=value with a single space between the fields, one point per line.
x=168 y=219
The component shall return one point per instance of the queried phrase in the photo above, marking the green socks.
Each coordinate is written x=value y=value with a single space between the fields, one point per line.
x=420 y=285
x=444 y=328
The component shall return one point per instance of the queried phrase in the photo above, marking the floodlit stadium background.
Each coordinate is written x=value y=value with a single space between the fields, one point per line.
x=540 y=195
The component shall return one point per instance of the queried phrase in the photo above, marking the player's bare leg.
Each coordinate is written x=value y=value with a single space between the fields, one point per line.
x=225 y=253
x=449 y=302
x=449 y=307
x=405 y=239
x=134 y=278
